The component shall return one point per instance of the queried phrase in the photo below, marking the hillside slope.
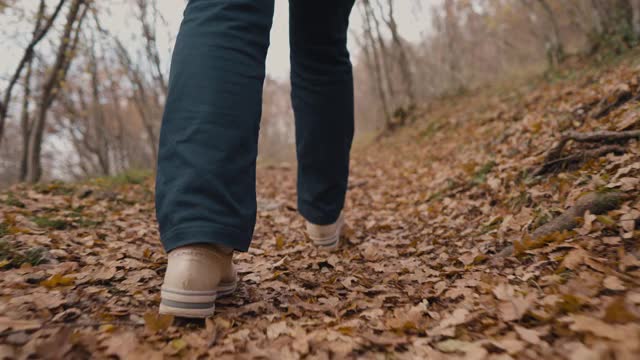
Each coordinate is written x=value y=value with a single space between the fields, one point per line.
x=457 y=247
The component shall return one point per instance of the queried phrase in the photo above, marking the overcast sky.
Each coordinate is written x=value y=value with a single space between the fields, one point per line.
x=412 y=24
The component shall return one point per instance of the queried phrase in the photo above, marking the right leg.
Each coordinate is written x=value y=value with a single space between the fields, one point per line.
x=205 y=186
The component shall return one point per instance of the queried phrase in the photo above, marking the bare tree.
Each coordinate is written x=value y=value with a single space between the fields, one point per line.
x=56 y=76
x=555 y=47
x=39 y=32
x=372 y=58
x=403 y=57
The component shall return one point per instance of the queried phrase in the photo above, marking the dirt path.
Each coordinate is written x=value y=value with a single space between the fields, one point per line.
x=418 y=276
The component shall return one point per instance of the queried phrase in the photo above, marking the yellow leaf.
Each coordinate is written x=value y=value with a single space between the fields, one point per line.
x=279 y=242
x=4 y=263
x=617 y=313
x=155 y=322
x=108 y=328
x=58 y=280
x=346 y=330
x=178 y=344
x=14 y=230
x=10 y=219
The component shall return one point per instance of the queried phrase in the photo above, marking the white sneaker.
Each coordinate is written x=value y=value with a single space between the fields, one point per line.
x=326 y=237
x=196 y=275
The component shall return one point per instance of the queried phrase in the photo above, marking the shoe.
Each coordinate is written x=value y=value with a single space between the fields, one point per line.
x=196 y=275
x=326 y=237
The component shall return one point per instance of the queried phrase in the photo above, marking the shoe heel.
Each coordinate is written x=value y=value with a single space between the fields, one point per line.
x=188 y=304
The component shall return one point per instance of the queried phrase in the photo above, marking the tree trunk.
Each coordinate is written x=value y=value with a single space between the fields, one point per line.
x=635 y=9
x=25 y=122
x=99 y=124
x=141 y=98
x=371 y=54
x=405 y=67
x=52 y=85
x=556 y=48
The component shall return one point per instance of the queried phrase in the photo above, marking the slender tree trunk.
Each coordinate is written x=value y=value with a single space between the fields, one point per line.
x=556 y=48
x=405 y=67
x=57 y=74
x=598 y=25
x=635 y=9
x=25 y=122
x=371 y=54
x=141 y=99
x=99 y=124
x=385 y=56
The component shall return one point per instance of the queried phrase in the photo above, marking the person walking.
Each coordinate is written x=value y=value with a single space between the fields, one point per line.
x=206 y=178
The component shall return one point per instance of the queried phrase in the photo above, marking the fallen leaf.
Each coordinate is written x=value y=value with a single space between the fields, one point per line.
x=453 y=345
x=618 y=313
x=176 y=346
x=575 y=258
x=127 y=346
x=58 y=280
x=155 y=322
x=503 y=291
x=279 y=242
x=613 y=283
x=528 y=335
x=7 y=352
x=18 y=325
x=583 y=323
x=277 y=329
x=511 y=346
x=515 y=308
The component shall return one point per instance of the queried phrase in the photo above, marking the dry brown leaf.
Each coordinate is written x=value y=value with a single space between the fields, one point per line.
x=128 y=346
x=582 y=323
x=511 y=346
x=528 y=335
x=515 y=308
x=613 y=283
x=18 y=325
x=453 y=345
x=574 y=259
x=503 y=291
x=277 y=329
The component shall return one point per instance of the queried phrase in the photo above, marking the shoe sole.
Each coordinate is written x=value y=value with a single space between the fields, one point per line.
x=193 y=304
x=330 y=243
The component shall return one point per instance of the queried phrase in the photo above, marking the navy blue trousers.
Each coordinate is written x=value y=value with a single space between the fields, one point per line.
x=206 y=179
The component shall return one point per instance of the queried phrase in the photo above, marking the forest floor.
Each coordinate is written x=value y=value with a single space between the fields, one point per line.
x=472 y=235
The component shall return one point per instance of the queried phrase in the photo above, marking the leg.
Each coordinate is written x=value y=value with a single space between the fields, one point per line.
x=322 y=98
x=205 y=188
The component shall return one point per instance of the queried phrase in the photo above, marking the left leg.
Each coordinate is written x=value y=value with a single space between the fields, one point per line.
x=322 y=99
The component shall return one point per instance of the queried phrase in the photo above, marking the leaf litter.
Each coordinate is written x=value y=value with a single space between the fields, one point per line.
x=423 y=272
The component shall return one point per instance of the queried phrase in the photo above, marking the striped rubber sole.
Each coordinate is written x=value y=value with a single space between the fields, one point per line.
x=193 y=304
x=330 y=243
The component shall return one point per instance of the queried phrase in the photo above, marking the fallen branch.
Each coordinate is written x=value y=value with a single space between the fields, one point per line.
x=621 y=98
x=567 y=161
x=595 y=203
x=555 y=153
